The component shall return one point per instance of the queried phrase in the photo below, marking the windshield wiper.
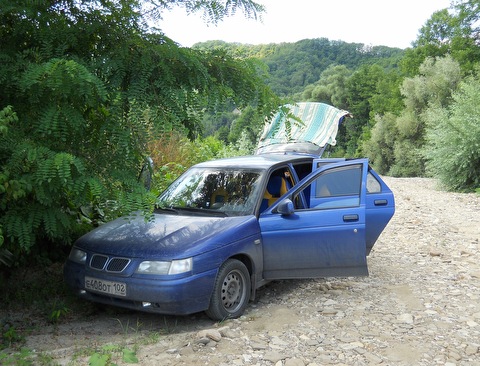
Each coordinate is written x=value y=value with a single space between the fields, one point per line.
x=193 y=210
x=203 y=211
x=167 y=209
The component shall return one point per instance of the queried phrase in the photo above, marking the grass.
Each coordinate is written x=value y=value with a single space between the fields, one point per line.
x=33 y=298
x=36 y=297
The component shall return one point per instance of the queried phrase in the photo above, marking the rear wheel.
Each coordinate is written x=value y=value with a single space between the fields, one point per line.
x=231 y=292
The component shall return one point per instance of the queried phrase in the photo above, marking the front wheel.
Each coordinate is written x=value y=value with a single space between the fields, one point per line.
x=231 y=292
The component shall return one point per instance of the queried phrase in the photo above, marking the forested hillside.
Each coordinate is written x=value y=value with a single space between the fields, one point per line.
x=293 y=66
x=88 y=91
x=317 y=70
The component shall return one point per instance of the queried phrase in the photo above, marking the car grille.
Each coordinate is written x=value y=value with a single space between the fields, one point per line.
x=105 y=263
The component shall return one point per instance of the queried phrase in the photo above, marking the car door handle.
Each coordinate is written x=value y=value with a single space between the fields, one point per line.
x=350 y=218
x=380 y=202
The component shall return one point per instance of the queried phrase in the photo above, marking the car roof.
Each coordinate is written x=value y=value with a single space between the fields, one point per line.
x=260 y=161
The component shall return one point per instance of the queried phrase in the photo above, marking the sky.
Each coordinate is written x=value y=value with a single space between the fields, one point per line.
x=393 y=23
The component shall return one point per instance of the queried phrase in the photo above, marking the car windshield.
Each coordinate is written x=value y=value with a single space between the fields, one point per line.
x=227 y=191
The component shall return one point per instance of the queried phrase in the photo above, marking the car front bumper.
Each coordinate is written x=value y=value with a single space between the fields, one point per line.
x=179 y=296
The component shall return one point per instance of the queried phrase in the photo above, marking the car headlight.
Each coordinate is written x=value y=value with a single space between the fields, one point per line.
x=78 y=256
x=165 y=267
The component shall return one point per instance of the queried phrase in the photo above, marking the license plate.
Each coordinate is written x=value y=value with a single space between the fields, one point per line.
x=106 y=287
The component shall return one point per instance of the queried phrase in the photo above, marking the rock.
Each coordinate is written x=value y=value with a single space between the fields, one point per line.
x=212 y=334
x=405 y=318
x=472 y=349
x=294 y=362
x=273 y=356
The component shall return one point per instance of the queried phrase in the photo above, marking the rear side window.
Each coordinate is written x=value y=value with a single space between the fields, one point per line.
x=373 y=185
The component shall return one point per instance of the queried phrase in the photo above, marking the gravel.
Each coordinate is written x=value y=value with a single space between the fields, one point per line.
x=419 y=306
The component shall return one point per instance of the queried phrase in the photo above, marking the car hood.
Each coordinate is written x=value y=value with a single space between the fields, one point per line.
x=167 y=236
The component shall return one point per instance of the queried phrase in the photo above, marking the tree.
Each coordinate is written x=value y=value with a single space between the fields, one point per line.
x=453 y=31
x=85 y=87
x=453 y=135
x=361 y=87
x=380 y=147
x=248 y=125
x=330 y=88
x=433 y=87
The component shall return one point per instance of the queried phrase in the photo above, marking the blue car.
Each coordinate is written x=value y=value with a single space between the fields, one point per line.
x=227 y=227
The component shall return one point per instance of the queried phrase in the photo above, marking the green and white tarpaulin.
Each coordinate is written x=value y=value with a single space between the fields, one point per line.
x=318 y=127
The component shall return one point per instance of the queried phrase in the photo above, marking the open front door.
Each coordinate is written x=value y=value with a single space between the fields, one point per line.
x=325 y=235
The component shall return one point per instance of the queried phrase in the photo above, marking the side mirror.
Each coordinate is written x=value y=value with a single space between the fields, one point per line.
x=285 y=207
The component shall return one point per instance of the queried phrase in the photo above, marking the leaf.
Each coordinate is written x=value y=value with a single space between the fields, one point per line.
x=129 y=356
x=98 y=360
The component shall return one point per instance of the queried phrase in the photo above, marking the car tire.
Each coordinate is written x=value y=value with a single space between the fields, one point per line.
x=231 y=291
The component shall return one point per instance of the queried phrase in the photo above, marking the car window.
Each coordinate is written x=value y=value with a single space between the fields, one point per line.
x=373 y=185
x=335 y=188
x=279 y=182
x=233 y=192
x=302 y=169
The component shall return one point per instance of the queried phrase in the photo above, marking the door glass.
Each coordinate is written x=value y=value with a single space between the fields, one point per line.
x=373 y=185
x=335 y=188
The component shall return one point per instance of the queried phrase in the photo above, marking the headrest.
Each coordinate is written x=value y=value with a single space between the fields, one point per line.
x=274 y=185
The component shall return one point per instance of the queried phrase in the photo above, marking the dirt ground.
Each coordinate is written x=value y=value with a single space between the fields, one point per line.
x=419 y=306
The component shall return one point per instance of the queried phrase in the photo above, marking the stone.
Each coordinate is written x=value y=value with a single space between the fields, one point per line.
x=294 y=362
x=273 y=356
x=212 y=334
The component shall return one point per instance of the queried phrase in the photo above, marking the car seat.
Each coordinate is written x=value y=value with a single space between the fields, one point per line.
x=218 y=198
x=276 y=187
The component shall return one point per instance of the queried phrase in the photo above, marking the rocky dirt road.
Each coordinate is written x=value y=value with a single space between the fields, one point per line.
x=419 y=306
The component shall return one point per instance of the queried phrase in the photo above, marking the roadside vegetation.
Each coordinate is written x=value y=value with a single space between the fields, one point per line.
x=90 y=92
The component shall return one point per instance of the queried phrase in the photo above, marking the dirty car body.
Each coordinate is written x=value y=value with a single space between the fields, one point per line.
x=226 y=227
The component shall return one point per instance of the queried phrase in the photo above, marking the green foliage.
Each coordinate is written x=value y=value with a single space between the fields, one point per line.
x=10 y=336
x=294 y=66
x=174 y=153
x=363 y=80
x=86 y=87
x=129 y=356
x=380 y=147
x=303 y=62
x=243 y=146
x=453 y=134
x=432 y=41
x=248 y=124
x=59 y=311
x=409 y=161
x=109 y=353
x=330 y=88
x=451 y=32
x=397 y=141
x=361 y=89
x=98 y=359
x=22 y=358
x=436 y=80
x=434 y=85
x=215 y=11
x=8 y=117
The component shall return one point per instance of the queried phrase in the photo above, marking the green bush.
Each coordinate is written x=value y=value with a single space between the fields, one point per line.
x=453 y=134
